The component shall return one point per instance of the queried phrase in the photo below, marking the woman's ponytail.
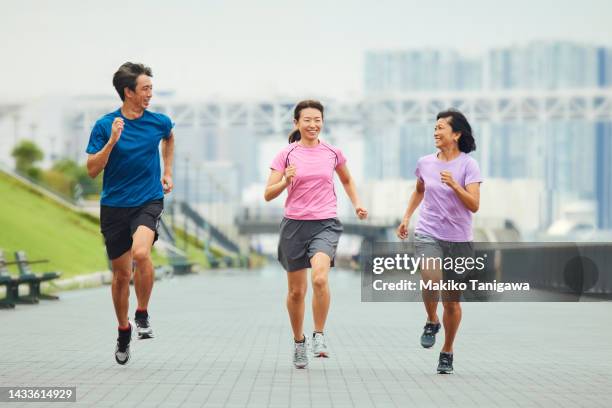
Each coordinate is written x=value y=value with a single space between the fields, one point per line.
x=294 y=136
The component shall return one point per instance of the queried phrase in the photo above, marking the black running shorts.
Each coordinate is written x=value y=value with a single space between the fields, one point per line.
x=118 y=224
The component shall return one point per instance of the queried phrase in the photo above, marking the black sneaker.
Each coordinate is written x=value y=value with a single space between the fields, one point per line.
x=445 y=363
x=428 y=338
x=122 y=351
x=143 y=328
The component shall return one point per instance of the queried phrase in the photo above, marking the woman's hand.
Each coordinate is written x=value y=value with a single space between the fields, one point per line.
x=447 y=178
x=290 y=173
x=402 y=230
x=361 y=212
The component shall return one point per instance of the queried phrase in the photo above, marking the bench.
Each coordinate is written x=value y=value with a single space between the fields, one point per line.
x=12 y=286
x=9 y=282
x=33 y=280
x=180 y=264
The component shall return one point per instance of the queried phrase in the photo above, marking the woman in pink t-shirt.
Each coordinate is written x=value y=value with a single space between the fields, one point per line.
x=310 y=229
x=448 y=186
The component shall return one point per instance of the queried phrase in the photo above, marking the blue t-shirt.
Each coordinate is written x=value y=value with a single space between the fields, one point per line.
x=132 y=175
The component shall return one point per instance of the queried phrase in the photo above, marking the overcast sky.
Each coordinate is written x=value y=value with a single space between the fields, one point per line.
x=204 y=49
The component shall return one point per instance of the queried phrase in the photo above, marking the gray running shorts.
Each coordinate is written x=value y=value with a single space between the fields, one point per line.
x=300 y=240
x=430 y=247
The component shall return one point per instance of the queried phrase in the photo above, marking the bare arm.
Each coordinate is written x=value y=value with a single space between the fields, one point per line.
x=97 y=162
x=351 y=191
x=277 y=183
x=413 y=203
x=469 y=196
x=168 y=157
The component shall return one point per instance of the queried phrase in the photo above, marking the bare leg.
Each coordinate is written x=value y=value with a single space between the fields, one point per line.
x=321 y=263
x=431 y=297
x=141 y=253
x=451 y=320
x=297 y=284
x=122 y=271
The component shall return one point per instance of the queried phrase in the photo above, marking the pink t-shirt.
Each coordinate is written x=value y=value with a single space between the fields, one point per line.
x=311 y=194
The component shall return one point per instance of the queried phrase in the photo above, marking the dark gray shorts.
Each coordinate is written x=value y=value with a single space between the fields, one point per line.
x=430 y=247
x=300 y=240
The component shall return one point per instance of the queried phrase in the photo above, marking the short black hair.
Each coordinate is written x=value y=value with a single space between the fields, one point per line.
x=126 y=76
x=460 y=124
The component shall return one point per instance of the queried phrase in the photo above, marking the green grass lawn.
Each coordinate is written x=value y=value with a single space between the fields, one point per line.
x=47 y=230
x=71 y=241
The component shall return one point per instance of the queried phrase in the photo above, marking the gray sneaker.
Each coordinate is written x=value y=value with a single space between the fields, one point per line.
x=319 y=348
x=428 y=338
x=300 y=357
x=445 y=363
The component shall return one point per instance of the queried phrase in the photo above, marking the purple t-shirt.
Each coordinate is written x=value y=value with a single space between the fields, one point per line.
x=311 y=194
x=442 y=215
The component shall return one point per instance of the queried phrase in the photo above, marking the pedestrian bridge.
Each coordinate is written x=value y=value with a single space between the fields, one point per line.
x=252 y=221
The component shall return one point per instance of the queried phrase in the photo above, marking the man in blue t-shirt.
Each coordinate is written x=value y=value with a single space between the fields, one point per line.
x=125 y=144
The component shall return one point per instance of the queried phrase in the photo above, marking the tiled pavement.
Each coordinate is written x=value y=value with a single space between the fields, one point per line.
x=223 y=340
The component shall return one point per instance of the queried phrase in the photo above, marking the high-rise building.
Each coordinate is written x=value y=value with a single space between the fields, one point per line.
x=603 y=175
x=603 y=147
x=543 y=65
x=563 y=154
x=393 y=150
x=420 y=70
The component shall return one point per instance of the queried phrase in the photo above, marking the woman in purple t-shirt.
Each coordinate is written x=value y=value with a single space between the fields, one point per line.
x=310 y=231
x=448 y=185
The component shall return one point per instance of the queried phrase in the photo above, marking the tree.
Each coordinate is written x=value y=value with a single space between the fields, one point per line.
x=26 y=154
x=66 y=166
x=65 y=174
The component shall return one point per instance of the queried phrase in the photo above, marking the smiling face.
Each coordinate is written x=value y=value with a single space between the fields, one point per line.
x=443 y=134
x=143 y=93
x=309 y=123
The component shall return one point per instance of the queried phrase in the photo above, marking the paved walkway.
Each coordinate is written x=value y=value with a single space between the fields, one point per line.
x=223 y=340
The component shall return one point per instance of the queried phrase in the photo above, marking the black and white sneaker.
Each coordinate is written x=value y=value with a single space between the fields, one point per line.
x=445 y=363
x=122 y=350
x=143 y=328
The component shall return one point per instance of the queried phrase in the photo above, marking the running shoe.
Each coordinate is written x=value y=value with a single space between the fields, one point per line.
x=319 y=348
x=428 y=338
x=143 y=328
x=300 y=357
x=445 y=363
x=122 y=350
